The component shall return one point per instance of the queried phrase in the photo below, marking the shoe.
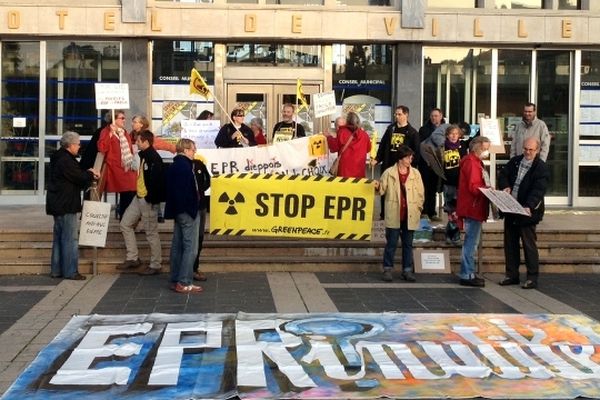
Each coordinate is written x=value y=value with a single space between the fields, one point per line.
x=387 y=275
x=508 y=281
x=56 y=276
x=179 y=288
x=473 y=282
x=129 y=264
x=435 y=218
x=161 y=220
x=199 y=276
x=172 y=286
x=408 y=276
x=529 y=284
x=150 y=271
x=77 y=277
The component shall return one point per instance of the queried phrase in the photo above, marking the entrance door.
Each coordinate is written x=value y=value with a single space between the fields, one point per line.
x=266 y=100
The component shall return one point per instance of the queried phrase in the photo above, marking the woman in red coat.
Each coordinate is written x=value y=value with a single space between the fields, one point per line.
x=115 y=144
x=472 y=206
x=353 y=158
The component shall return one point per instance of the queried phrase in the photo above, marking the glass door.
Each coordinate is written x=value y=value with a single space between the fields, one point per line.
x=19 y=129
x=265 y=101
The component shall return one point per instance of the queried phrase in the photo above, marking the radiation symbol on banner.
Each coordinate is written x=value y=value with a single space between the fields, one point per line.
x=231 y=210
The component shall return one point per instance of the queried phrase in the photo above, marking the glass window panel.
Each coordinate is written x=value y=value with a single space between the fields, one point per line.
x=515 y=4
x=514 y=78
x=569 y=4
x=451 y=4
x=288 y=55
x=19 y=145
x=363 y=69
x=588 y=181
x=553 y=77
x=172 y=61
x=457 y=80
x=296 y=2
x=590 y=95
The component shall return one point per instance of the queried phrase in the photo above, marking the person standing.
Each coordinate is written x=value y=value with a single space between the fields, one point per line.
x=150 y=191
x=472 y=206
x=115 y=144
x=526 y=178
x=352 y=144
x=139 y=124
x=400 y=133
x=203 y=182
x=257 y=126
x=182 y=206
x=530 y=126
x=431 y=180
x=236 y=133
x=63 y=202
x=402 y=187
x=287 y=128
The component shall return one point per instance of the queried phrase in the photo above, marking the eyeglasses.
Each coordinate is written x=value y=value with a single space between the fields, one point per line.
x=238 y=115
x=525 y=149
x=120 y=118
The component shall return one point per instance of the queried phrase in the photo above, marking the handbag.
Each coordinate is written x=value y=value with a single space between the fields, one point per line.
x=333 y=170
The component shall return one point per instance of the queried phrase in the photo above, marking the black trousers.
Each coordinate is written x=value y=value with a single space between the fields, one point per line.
x=513 y=234
x=200 y=238
x=430 y=184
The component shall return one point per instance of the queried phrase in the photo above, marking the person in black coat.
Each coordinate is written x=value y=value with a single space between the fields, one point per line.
x=526 y=178
x=203 y=180
x=63 y=202
x=150 y=192
x=236 y=134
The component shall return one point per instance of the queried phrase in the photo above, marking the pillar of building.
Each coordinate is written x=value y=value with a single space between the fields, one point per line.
x=409 y=78
x=135 y=72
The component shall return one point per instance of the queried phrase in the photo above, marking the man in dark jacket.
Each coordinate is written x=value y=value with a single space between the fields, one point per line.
x=182 y=205
x=150 y=191
x=430 y=178
x=63 y=202
x=400 y=133
x=526 y=178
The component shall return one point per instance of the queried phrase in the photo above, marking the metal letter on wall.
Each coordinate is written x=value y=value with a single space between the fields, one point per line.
x=413 y=13
x=133 y=11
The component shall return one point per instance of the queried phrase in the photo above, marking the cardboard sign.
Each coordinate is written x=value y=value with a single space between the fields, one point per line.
x=202 y=132
x=112 y=96
x=94 y=223
x=490 y=128
x=324 y=104
x=432 y=261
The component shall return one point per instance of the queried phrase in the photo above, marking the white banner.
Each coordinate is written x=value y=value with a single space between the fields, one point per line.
x=302 y=156
x=112 y=96
x=323 y=104
x=94 y=223
x=202 y=132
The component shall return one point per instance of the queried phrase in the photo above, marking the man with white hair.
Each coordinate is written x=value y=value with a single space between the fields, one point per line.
x=526 y=178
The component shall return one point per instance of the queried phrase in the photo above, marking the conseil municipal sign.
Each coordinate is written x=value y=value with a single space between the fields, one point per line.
x=316 y=207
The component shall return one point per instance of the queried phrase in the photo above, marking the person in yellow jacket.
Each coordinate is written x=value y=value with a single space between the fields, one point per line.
x=402 y=186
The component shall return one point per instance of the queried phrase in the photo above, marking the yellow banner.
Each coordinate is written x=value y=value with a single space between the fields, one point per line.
x=315 y=207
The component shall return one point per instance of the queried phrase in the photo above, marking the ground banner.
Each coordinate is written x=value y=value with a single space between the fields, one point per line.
x=314 y=207
x=308 y=356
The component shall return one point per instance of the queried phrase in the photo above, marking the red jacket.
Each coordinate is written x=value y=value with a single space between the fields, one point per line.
x=117 y=179
x=471 y=203
x=353 y=160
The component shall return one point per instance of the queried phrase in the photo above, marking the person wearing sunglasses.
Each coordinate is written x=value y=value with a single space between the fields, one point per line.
x=235 y=133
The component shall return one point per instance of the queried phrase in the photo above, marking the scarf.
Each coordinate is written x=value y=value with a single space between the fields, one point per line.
x=126 y=156
x=451 y=146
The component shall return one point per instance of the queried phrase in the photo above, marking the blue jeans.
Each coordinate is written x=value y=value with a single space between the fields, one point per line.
x=65 y=254
x=467 y=258
x=184 y=248
x=391 y=243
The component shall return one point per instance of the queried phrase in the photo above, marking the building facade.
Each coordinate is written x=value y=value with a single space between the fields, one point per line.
x=476 y=59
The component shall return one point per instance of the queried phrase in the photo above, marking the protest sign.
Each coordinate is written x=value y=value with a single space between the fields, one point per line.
x=504 y=201
x=112 y=96
x=202 y=132
x=291 y=206
x=491 y=129
x=94 y=223
x=323 y=104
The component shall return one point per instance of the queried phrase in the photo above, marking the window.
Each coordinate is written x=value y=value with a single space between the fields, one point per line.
x=288 y=55
x=569 y=5
x=451 y=4
x=172 y=61
x=519 y=4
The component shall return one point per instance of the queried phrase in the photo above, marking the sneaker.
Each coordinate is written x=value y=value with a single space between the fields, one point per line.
x=77 y=277
x=199 y=276
x=408 y=276
x=529 y=284
x=149 y=271
x=129 y=264
x=474 y=282
x=387 y=275
x=179 y=288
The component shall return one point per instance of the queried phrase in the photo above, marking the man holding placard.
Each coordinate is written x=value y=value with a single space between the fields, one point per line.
x=63 y=202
